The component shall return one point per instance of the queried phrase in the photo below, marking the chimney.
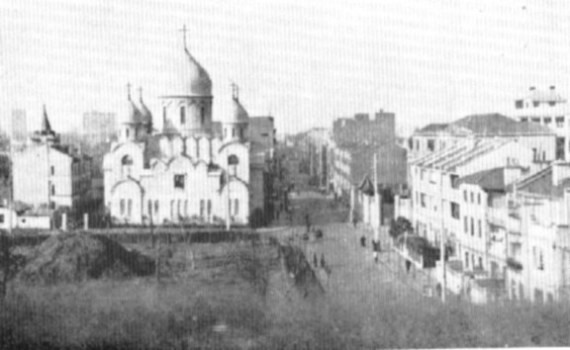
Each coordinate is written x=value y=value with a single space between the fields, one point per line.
x=560 y=172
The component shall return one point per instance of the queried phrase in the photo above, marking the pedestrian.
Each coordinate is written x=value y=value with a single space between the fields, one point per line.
x=323 y=261
x=363 y=241
x=375 y=250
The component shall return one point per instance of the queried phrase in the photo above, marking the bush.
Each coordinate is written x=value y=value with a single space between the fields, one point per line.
x=399 y=226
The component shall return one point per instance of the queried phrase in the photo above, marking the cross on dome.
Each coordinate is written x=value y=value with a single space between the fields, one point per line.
x=184 y=30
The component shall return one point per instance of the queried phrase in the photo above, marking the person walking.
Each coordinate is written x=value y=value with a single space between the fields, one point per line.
x=363 y=241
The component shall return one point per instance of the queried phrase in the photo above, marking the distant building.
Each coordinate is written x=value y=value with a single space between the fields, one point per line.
x=547 y=108
x=436 y=137
x=99 y=127
x=19 y=126
x=362 y=129
x=49 y=174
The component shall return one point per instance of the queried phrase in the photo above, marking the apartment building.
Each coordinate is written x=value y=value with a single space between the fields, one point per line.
x=453 y=192
x=538 y=254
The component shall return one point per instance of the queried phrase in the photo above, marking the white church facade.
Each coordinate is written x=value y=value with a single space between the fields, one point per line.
x=185 y=172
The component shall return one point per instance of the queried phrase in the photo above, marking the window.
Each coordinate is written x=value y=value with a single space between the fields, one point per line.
x=186 y=207
x=466 y=260
x=534 y=154
x=472 y=198
x=559 y=122
x=233 y=132
x=466 y=224
x=203 y=115
x=182 y=115
x=52 y=169
x=547 y=120
x=236 y=206
x=423 y=200
x=129 y=207
x=455 y=210
x=127 y=133
x=164 y=115
x=172 y=209
x=540 y=260
x=209 y=207
x=122 y=206
x=453 y=180
x=481 y=263
x=521 y=291
x=149 y=207
x=472 y=227
x=536 y=120
x=179 y=181
x=478 y=198
x=524 y=119
x=53 y=190
x=465 y=196
x=202 y=207
x=1 y=218
x=156 y=207
x=233 y=161
x=431 y=145
x=179 y=208
x=479 y=228
x=535 y=103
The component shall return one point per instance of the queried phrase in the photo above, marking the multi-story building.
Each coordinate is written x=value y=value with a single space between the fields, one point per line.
x=47 y=173
x=550 y=109
x=99 y=127
x=454 y=191
x=538 y=241
x=361 y=129
x=19 y=127
x=435 y=137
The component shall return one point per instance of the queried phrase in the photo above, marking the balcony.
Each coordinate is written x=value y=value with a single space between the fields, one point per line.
x=514 y=265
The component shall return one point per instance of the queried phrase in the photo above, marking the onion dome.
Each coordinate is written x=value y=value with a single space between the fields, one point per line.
x=239 y=114
x=130 y=113
x=146 y=116
x=188 y=77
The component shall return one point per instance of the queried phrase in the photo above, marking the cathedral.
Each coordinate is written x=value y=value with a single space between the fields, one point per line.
x=191 y=171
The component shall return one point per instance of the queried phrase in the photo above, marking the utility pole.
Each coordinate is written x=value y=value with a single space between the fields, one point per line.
x=442 y=242
x=228 y=201
x=377 y=204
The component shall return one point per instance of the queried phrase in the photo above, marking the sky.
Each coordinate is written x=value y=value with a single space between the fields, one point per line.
x=304 y=62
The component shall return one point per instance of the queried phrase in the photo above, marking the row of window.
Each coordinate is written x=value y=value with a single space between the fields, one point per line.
x=473 y=259
x=546 y=120
x=469 y=197
x=469 y=226
x=538 y=293
x=183 y=115
x=178 y=208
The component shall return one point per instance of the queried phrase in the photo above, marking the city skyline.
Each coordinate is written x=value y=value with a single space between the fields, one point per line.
x=424 y=61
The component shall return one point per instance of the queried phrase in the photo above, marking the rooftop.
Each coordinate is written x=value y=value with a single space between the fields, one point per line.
x=493 y=124
x=490 y=180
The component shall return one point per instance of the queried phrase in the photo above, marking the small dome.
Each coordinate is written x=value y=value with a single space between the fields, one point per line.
x=239 y=114
x=146 y=115
x=130 y=113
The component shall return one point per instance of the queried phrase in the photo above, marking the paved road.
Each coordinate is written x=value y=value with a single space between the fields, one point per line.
x=354 y=276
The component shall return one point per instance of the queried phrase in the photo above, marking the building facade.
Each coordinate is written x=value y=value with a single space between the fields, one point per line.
x=47 y=173
x=549 y=109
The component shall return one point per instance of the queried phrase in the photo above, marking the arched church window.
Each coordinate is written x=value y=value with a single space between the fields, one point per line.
x=203 y=115
x=172 y=209
x=233 y=132
x=233 y=162
x=129 y=207
x=182 y=115
x=156 y=207
x=122 y=206
x=149 y=205
x=127 y=133
x=127 y=160
x=186 y=207
x=236 y=206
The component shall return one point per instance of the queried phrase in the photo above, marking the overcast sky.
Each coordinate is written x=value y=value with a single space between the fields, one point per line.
x=307 y=62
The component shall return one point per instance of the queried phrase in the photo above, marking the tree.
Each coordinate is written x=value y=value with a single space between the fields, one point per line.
x=399 y=226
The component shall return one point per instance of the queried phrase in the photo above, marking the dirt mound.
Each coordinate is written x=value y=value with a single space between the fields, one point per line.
x=76 y=257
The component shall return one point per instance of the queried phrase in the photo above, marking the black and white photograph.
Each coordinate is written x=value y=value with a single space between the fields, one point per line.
x=284 y=174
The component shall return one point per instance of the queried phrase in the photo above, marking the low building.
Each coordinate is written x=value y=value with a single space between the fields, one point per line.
x=47 y=173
